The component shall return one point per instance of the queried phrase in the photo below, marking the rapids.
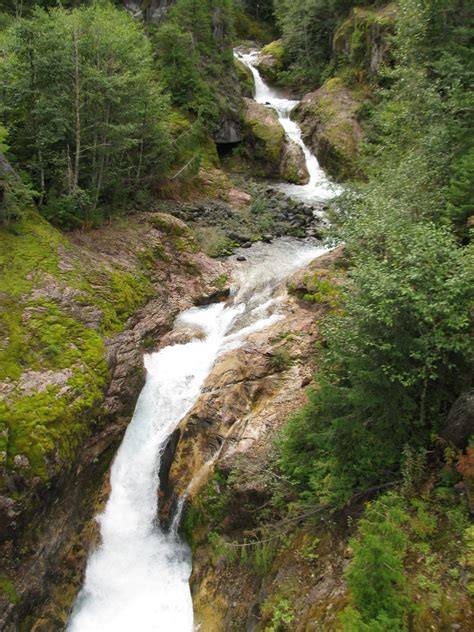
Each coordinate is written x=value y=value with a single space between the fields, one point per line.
x=137 y=578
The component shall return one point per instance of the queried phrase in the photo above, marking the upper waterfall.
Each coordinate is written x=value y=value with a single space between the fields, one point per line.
x=319 y=187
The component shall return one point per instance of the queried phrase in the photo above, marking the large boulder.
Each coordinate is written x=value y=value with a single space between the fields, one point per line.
x=460 y=425
x=272 y=154
x=270 y=61
x=293 y=164
x=328 y=119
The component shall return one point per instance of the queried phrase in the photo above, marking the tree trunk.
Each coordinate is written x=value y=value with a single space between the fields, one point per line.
x=77 y=110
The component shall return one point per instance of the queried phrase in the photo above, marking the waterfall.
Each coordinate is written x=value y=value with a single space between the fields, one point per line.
x=319 y=187
x=138 y=577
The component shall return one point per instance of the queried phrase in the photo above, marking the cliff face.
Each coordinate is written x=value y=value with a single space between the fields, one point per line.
x=153 y=11
x=364 y=37
x=76 y=314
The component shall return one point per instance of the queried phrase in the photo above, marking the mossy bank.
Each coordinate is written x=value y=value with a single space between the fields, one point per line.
x=77 y=313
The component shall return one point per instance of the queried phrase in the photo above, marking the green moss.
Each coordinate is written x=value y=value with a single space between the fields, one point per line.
x=334 y=111
x=273 y=67
x=43 y=420
x=7 y=587
x=185 y=244
x=168 y=225
x=28 y=251
x=246 y=81
x=333 y=84
x=274 y=48
x=221 y=281
x=49 y=421
x=290 y=174
x=265 y=137
x=150 y=256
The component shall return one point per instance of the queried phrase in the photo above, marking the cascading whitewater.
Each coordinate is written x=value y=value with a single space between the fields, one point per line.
x=319 y=187
x=137 y=579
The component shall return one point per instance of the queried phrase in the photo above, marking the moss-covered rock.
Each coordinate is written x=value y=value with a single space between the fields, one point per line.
x=364 y=37
x=246 y=81
x=328 y=118
x=61 y=308
x=292 y=164
x=267 y=147
x=55 y=315
x=270 y=61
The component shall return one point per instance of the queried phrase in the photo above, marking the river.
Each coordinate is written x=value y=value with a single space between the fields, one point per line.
x=137 y=580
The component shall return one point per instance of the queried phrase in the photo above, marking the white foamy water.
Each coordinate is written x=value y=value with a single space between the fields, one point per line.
x=319 y=187
x=137 y=579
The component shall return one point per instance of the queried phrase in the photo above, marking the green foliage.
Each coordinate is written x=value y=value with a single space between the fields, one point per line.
x=179 y=64
x=8 y=588
x=207 y=509
x=256 y=555
x=280 y=360
x=393 y=362
x=87 y=118
x=375 y=576
x=195 y=56
x=221 y=281
x=321 y=288
x=307 y=29
x=3 y=138
x=282 y=617
x=249 y=28
x=15 y=195
x=460 y=193
x=395 y=358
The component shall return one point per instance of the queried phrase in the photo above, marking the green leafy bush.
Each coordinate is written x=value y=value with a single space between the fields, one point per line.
x=376 y=578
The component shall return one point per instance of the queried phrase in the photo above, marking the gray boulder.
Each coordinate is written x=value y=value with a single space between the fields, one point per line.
x=460 y=425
